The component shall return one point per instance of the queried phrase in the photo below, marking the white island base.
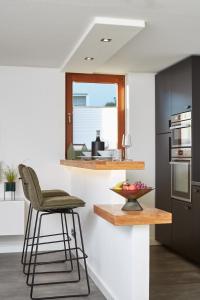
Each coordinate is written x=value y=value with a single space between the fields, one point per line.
x=121 y=270
x=118 y=256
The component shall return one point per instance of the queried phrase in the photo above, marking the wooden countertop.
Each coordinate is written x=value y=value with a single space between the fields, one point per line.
x=104 y=164
x=114 y=215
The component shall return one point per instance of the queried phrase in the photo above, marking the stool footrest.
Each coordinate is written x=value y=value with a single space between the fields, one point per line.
x=47 y=235
x=50 y=242
x=63 y=250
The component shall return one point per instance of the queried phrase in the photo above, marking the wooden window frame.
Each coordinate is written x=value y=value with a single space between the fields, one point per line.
x=93 y=78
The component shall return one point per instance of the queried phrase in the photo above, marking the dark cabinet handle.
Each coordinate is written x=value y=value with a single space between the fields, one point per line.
x=188 y=206
x=189 y=107
x=169 y=149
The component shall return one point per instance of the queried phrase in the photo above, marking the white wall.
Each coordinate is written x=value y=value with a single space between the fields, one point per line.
x=32 y=127
x=140 y=123
x=32 y=108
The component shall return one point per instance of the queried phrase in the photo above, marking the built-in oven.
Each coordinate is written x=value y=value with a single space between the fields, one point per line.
x=181 y=130
x=181 y=174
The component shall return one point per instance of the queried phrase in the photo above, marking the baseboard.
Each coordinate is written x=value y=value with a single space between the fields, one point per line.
x=11 y=244
x=11 y=249
x=100 y=283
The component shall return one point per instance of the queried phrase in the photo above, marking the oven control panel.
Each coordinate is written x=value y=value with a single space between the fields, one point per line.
x=181 y=153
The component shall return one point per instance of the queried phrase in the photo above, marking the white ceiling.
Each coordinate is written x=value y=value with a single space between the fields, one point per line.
x=90 y=45
x=42 y=33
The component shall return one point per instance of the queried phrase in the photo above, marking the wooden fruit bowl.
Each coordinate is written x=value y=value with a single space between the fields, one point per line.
x=132 y=196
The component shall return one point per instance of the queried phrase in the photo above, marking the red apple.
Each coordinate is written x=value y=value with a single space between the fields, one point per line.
x=125 y=186
x=132 y=187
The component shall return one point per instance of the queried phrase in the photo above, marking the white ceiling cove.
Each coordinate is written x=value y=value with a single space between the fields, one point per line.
x=120 y=31
x=43 y=33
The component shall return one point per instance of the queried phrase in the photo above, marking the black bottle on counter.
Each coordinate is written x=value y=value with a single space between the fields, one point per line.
x=97 y=145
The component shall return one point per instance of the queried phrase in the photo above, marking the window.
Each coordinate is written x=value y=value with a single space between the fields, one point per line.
x=94 y=102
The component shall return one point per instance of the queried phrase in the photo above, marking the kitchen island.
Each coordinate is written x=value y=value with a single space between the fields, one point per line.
x=118 y=256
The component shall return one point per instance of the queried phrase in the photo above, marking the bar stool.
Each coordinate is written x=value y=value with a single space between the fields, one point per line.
x=45 y=206
x=27 y=238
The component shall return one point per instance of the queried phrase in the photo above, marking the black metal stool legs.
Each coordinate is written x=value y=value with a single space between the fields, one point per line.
x=63 y=232
x=26 y=234
x=76 y=247
x=29 y=240
x=69 y=246
x=83 y=249
x=35 y=253
x=32 y=247
x=34 y=256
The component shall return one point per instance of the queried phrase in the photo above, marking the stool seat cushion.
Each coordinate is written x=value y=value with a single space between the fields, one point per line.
x=62 y=202
x=53 y=193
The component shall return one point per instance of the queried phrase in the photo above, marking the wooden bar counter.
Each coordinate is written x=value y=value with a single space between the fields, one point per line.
x=103 y=164
x=113 y=214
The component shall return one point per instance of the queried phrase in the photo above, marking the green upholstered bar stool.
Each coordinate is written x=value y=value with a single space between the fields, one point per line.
x=27 y=237
x=44 y=207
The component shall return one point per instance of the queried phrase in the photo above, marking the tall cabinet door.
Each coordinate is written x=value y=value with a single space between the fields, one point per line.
x=194 y=239
x=186 y=226
x=182 y=227
x=163 y=101
x=196 y=119
x=181 y=86
x=163 y=185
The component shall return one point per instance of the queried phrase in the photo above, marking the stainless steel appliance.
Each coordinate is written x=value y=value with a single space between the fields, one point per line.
x=181 y=130
x=181 y=173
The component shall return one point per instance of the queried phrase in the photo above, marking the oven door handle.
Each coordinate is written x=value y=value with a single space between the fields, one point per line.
x=180 y=162
x=180 y=126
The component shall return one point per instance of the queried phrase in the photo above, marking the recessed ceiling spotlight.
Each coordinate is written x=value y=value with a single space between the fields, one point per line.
x=106 y=40
x=89 y=58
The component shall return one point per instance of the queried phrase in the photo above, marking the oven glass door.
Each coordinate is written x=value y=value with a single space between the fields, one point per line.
x=181 y=137
x=181 y=179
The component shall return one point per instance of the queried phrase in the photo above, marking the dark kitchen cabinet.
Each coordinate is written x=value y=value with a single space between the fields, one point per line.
x=181 y=86
x=182 y=227
x=186 y=226
x=163 y=101
x=178 y=90
x=195 y=224
x=196 y=119
x=174 y=91
x=163 y=186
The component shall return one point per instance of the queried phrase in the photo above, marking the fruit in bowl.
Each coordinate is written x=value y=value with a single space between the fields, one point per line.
x=138 y=185
x=132 y=187
x=118 y=186
x=132 y=192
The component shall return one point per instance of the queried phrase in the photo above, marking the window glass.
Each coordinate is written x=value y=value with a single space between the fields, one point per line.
x=95 y=108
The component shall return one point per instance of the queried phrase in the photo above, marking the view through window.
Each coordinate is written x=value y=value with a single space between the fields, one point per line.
x=95 y=108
